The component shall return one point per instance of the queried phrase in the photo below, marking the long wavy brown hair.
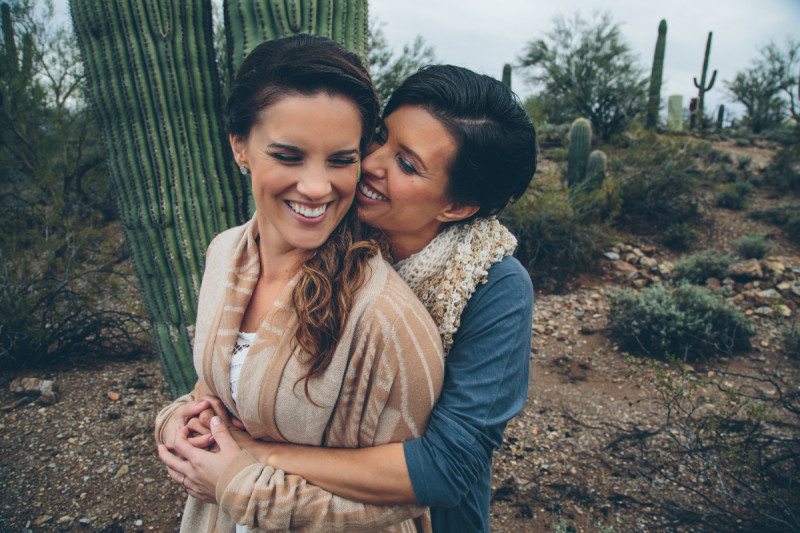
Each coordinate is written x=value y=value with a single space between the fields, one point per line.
x=330 y=278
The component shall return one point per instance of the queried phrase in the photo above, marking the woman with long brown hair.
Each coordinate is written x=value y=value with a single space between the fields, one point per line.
x=454 y=148
x=304 y=332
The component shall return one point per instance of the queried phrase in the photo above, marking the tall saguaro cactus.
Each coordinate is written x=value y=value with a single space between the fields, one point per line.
x=155 y=88
x=702 y=88
x=656 y=74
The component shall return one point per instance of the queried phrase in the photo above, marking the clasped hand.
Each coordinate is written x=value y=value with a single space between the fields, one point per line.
x=195 y=454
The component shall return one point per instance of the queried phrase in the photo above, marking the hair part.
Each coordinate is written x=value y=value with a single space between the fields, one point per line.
x=308 y=65
x=495 y=157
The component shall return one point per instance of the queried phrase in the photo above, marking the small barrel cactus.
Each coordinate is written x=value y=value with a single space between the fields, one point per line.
x=596 y=169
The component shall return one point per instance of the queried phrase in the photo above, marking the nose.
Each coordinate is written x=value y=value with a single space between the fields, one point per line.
x=375 y=162
x=315 y=185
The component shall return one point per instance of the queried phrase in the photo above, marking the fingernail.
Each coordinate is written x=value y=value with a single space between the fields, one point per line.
x=216 y=421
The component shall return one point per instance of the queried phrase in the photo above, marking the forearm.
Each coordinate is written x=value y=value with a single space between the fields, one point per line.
x=376 y=475
x=257 y=495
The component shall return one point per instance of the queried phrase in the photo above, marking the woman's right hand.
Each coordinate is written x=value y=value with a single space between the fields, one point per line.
x=180 y=418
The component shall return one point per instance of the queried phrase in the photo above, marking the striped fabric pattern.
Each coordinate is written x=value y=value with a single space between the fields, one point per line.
x=384 y=379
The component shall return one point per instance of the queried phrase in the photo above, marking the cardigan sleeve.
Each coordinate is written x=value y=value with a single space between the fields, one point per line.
x=486 y=384
x=259 y=496
x=398 y=393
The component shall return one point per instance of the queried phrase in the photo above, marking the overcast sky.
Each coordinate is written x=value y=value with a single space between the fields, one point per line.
x=485 y=34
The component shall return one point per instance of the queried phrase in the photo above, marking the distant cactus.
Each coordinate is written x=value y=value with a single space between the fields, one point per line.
x=702 y=88
x=720 y=117
x=580 y=144
x=507 y=75
x=654 y=98
x=675 y=113
x=155 y=89
x=596 y=169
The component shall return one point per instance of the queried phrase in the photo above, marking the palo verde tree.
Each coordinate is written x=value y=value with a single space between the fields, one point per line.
x=770 y=88
x=156 y=91
x=585 y=69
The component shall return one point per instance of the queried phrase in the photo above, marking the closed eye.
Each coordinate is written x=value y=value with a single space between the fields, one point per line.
x=405 y=165
x=342 y=161
x=286 y=158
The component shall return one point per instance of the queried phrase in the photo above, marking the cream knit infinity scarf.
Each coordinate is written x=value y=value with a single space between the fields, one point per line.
x=447 y=271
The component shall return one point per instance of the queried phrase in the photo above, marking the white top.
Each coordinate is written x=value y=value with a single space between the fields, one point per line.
x=240 y=350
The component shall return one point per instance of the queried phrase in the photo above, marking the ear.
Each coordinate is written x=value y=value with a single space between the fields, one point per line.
x=457 y=211
x=237 y=146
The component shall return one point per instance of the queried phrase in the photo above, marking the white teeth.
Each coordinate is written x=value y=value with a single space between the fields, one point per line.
x=308 y=212
x=369 y=193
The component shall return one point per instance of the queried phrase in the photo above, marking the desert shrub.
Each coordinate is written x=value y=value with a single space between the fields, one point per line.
x=729 y=442
x=743 y=187
x=783 y=172
x=700 y=266
x=743 y=162
x=66 y=290
x=555 y=241
x=753 y=246
x=679 y=236
x=687 y=322
x=786 y=217
x=658 y=185
x=730 y=199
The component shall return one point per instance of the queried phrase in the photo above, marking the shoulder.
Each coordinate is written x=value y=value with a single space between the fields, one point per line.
x=228 y=239
x=391 y=309
x=507 y=279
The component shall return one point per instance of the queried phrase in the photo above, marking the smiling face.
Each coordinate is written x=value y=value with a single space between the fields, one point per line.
x=404 y=181
x=303 y=158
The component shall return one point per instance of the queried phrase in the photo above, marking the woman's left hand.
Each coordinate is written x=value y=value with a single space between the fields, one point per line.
x=198 y=470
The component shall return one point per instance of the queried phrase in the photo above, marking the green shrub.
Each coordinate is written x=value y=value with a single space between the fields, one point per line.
x=743 y=162
x=700 y=266
x=679 y=236
x=753 y=246
x=688 y=322
x=783 y=172
x=743 y=187
x=730 y=199
x=658 y=186
x=555 y=241
x=786 y=217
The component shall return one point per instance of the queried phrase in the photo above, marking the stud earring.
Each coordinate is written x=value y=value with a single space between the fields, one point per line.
x=244 y=170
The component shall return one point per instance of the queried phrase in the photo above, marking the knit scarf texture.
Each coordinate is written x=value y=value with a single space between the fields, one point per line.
x=445 y=273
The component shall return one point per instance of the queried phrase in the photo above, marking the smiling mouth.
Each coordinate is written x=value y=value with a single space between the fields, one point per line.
x=308 y=211
x=371 y=193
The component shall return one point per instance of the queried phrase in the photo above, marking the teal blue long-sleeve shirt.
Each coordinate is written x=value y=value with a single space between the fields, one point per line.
x=485 y=385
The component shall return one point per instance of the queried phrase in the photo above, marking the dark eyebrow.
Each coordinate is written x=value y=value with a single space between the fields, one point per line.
x=297 y=149
x=289 y=147
x=415 y=156
x=350 y=151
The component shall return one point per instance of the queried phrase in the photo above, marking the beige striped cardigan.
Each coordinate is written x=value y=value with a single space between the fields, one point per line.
x=380 y=387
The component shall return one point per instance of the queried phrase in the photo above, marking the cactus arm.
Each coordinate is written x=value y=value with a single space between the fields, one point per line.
x=713 y=79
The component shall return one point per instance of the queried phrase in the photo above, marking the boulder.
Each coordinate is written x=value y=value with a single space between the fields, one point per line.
x=746 y=270
x=41 y=389
x=611 y=256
